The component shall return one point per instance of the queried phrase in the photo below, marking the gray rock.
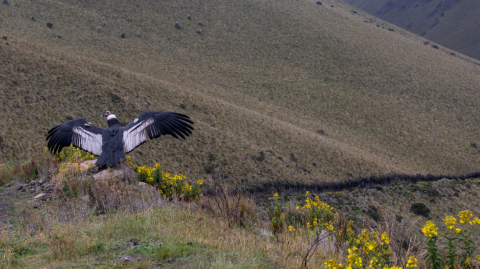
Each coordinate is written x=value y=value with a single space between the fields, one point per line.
x=99 y=29
x=138 y=34
x=32 y=190
x=200 y=23
x=6 y=2
x=33 y=19
x=32 y=182
x=41 y=181
x=177 y=25
x=49 y=25
x=122 y=35
x=319 y=3
x=143 y=184
x=126 y=259
x=59 y=36
x=40 y=196
x=123 y=171
x=99 y=212
x=198 y=31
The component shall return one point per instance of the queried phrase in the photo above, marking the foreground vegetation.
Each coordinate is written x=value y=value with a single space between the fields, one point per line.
x=278 y=89
x=93 y=224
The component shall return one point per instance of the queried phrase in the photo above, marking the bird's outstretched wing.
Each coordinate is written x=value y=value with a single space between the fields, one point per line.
x=77 y=132
x=155 y=124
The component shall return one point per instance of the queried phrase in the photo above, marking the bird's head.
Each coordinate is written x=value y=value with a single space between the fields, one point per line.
x=106 y=113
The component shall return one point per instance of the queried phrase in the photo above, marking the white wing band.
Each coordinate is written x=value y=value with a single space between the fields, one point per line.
x=136 y=135
x=87 y=141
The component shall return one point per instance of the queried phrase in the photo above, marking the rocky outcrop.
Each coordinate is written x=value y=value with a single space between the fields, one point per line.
x=120 y=171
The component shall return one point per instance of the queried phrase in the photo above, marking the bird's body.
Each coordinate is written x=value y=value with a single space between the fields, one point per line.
x=113 y=143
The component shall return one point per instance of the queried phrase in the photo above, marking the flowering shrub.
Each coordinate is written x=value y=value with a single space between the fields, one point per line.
x=322 y=223
x=459 y=233
x=73 y=155
x=168 y=184
x=277 y=217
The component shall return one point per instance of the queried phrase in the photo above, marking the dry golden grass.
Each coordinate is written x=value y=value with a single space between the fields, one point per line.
x=279 y=90
x=173 y=235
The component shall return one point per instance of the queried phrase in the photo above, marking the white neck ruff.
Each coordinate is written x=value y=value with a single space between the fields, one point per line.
x=111 y=117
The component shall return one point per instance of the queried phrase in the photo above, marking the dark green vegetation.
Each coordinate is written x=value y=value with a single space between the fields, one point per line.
x=451 y=23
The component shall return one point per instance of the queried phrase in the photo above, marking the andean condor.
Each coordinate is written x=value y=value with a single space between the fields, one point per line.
x=113 y=143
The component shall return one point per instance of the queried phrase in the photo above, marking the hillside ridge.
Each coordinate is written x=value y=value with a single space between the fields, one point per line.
x=452 y=23
x=309 y=92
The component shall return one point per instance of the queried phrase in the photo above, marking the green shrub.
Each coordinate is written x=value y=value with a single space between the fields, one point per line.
x=420 y=209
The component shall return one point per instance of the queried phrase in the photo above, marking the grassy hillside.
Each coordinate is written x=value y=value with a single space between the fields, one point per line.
x=278 y=90
x=454 y=24
x=98 y=222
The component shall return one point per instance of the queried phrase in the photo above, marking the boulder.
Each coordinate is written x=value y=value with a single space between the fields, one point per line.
x=86 y=165
x=120 y=171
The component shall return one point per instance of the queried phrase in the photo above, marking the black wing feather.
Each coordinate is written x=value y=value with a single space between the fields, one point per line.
x=63 y=135
x=156 y=124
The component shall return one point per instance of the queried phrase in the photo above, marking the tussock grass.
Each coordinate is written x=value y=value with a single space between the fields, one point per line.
x=170 y=236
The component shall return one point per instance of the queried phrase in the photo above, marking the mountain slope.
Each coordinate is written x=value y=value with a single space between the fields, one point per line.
x=452 y=23
x=279 y=90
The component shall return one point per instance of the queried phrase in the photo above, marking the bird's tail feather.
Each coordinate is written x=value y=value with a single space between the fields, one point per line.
x=110 y=158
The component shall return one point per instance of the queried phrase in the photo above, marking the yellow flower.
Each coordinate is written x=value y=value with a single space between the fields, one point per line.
x=475 y=221
x=200 y=182
x=353 y=258
x=412 y=262
x=429 y=229
x=275 y=195
x=385 y=239
x=370 y=246
x=465 y=216
x=457 y=230
x=374 y=262
x=468 y=262
x=297 y=207
x=477 y=257
x=307 y=193
x=450 y=222
x=332 y=264
x=290 y=228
